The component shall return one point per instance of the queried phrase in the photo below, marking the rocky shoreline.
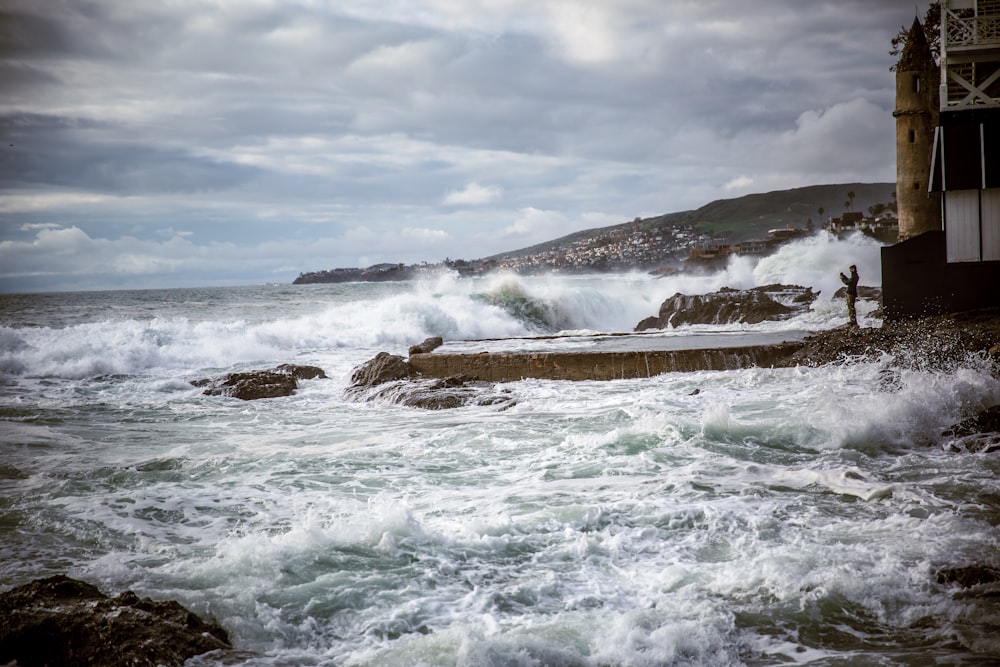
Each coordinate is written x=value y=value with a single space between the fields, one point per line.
x=64 y=622
x=938 y=342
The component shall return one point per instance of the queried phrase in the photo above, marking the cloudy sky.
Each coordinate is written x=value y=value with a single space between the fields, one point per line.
x=203 y=142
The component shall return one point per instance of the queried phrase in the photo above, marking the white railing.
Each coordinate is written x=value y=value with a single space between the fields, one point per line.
x=971 y=31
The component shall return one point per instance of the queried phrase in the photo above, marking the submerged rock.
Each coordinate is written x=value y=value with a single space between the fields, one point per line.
x=63 y=622
x=731 y=306
x=279 y=381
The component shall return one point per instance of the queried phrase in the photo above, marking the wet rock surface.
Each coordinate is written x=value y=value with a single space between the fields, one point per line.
x=731 y=306
x=390 y=378
x=978 y=433
x=384 y=367
x=63 y=622
x=926 y=343
x=252 y=385
x=429 y=345
x=968 y=576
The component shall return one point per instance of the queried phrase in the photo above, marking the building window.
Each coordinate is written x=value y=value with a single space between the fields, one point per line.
x=916 y=83
x=916 y=185
x=913 y=137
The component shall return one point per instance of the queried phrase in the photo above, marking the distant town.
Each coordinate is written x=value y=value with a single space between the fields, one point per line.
x=659 y=246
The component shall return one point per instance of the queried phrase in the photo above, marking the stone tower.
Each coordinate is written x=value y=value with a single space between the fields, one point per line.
x=916 y=114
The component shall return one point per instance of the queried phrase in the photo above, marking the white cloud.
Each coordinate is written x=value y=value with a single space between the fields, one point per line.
x=281 y=126
x=474 y=194
x=423 y=235
x=853 y=136
x=585 y=32
x=738 y=183
x=532 y=223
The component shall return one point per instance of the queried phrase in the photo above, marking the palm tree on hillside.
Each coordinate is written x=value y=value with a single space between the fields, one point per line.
x=850 y=195
x=820 y=212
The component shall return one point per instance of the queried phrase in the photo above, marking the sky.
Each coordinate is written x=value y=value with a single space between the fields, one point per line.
x=229 y=142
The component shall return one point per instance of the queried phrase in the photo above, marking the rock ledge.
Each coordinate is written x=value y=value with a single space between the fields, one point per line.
x=63 y=622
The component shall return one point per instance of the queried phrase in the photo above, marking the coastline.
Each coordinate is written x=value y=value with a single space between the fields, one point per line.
x=929 y=342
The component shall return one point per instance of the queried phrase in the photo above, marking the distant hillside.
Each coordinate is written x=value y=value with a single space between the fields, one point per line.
x=747 y=217
x=653 y=243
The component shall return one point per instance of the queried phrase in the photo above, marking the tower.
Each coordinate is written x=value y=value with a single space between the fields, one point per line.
x=948 y=256
x=916 y=114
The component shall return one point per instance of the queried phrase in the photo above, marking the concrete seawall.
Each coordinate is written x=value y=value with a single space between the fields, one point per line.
x=604 y=365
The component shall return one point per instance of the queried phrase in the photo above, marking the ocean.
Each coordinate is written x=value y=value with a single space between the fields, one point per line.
x=750 y=517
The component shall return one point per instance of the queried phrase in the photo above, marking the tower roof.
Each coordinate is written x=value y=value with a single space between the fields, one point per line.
x=917 y=52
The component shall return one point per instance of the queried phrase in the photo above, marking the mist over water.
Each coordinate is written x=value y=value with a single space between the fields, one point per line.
x=754 y=517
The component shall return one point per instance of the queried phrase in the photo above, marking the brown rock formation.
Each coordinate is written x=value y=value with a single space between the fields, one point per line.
x=393 y=379
x=279 y=381
x=62 y=622
x=729 y=306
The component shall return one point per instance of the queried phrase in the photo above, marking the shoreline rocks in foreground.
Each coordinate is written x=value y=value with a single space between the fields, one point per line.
x=933 y=342
x=64 y=622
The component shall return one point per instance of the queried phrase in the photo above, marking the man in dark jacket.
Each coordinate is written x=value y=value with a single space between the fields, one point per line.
x=852 y=293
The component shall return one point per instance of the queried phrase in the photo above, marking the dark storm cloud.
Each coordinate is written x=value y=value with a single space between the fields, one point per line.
x=49 y=151
x=418 y=129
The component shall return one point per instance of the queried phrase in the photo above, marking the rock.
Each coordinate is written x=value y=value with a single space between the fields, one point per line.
x=62 y=622
x=279 y=381
x=979 y=433
x=865 y=293
x=384 y=367
x=302 y=372
x=390 y=378
x=429 y=345
x=937 y=342
x=729 y=306
x=968 y=576
x=987 y=421
x=442 y=394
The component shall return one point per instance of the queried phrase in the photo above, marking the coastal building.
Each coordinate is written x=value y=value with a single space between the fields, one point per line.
x=948 y=257
x=916 y=115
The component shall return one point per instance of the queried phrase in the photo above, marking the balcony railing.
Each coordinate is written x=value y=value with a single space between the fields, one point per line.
x=971 y=30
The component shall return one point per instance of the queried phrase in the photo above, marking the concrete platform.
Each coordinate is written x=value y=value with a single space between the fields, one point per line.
x=604 y=356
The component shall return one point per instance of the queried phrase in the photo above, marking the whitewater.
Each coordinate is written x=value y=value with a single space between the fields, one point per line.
x=751 y=517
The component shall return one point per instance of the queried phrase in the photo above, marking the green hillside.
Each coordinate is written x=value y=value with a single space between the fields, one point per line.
x=747 y=217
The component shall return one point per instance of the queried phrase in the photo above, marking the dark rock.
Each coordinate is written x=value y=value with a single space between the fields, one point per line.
x=651 y=322
x=865 y=293
x=390 y=378
x=937 y=342
x=987 y=421
x=252 y=385
x=979 y=433
x=729 y=306
x=384 y=367
x=62 y=622
x=443 y=394
x=968 y=576
x=429 y=345
x=302 y=372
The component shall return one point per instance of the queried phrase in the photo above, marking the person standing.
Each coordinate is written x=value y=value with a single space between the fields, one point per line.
x=852 y=293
